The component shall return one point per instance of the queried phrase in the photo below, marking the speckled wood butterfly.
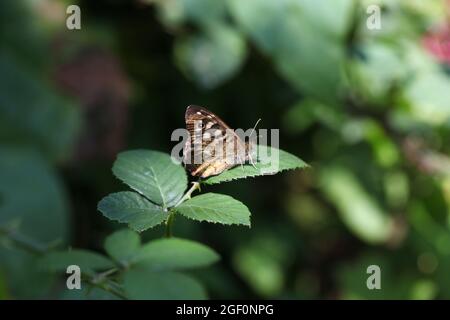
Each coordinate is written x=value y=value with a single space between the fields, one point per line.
x=212 y=146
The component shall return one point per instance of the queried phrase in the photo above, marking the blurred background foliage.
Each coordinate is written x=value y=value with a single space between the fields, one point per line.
x=368 y=109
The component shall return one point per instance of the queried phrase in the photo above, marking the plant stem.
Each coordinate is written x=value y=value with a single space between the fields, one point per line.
x=187 y=195
x=106 y=285
x=22 y=241
x=27 y=244
x=106 y=273
x=113 y=291
x=169 y=224
x=171 y=217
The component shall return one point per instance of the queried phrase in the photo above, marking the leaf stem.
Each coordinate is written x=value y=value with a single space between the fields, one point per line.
x=99 y=277
x=106 y=285
x=29 y=245
x=114 y=291
x=169 y=224
x=22 y=241
x=187 y=195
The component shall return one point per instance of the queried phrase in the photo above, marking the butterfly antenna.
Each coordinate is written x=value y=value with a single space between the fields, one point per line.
x=254 y=128
x=251 y=161
x=249 y=155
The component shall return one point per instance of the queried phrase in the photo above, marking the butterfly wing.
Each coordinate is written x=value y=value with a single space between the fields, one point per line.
x=206 y=131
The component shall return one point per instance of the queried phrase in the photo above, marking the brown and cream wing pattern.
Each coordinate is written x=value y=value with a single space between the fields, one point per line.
x=206 y=130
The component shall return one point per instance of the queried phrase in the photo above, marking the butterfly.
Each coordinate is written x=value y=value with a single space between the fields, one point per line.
x=212 y=146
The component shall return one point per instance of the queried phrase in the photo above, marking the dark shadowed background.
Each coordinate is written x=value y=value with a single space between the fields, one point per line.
x=369 y=110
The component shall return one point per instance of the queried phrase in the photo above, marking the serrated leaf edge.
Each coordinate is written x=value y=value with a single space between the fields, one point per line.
x=305 y=166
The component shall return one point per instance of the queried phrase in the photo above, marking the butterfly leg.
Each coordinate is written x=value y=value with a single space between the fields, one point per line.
x=249 y=154
x=251 y=161
x=241 y=162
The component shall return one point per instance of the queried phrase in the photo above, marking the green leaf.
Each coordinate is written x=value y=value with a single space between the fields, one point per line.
x=44 y=215
x=316 y=57
x=266 y=165
x=153 y=174
x=23 y=281
x=51 y=123
x=129 y=207
x=170 y=254
x=140 y=284
x=20 y=37
x=87 y=292
x=213 y=57
x=304 y=38
x=201 y=12
x=4 y=293
x=264 y=20
x=358 y=210
x=262 y=262
x=303 y=114
x=122 y=245
x=333 y=20
x=428 y=97
x=352 y=278
x=216 y=208
x=33 y=198
x=58 y=261
x=372 y=82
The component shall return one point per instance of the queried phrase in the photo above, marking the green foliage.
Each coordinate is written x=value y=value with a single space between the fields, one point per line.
x=44 y=216
x=58 y=261
x=175 y=254
x=148 y=271
x=161 y=182
x=164 y=254
x=51 y=123
x=281 y=161
x=216 y=208
x=262 y=262
x=122 y=245
x=369 y=108
x=87 y=293
x=358 y=210
x=33 y=200
x=151 y=267
x=213 y=57
x=141 y=284
x=153 y=174
x=289 y=28
x=38 y=127
x=428 y=97
x=133 y=209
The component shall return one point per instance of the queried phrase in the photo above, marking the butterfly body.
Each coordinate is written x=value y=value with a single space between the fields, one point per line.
x=212 y=146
